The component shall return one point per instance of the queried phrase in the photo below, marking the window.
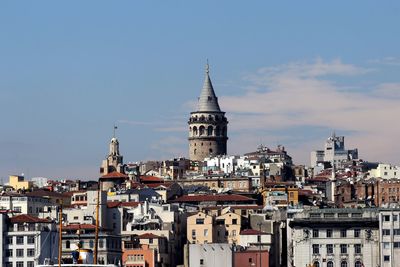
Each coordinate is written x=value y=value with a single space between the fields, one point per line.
x=357 y=248
x=20 y=240
x=205 y=232
x=329 y=264
x=31 y=239
x=234 y=233
x=20 y=264
x=8 y=264
x=30 y=252
x=396 y=231
x=329 y=249
x=358 y=264
x=386 y=218
x=328 y=232
x=17 y=209
x=101 y=243
x=91 y=243
x=201 y=261
x=343 y=248
x=150 y=240
x=315 y=249
x=165 y=208
x=385 y=231
x=250 y=260
x=76 y=217
x=199 y=221
x=386 y=258
x=9 y=253
x=67 y=244
x=234 y=221
x=20 y=253
x=343 y=233
x=395 y=218
x=193 y=232
x=396 y=244
x=315 y=233
x=343 y=264
x=10 y=240
x=357 y=232
x=30 y=264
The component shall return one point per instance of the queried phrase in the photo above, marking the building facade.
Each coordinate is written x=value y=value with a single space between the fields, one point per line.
x=207 y=125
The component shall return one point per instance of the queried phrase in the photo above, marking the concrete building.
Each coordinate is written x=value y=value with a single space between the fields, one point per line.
x=200 y=228
x=28 y=241
x=334 y=152
x=385 y=171
x=210 y=255
x=251 y=258
x=18 y=182
x=389 y=225
x=21 y=203
x=207 y=125
x=334 y=237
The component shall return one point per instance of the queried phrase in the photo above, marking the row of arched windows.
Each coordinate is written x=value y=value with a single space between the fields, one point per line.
x=209 y=131
x=342 y=264
x=208 y=118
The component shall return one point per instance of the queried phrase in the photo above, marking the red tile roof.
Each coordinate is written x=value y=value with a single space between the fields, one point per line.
x=148 y=235
x=204 y=198
x=251 y=232
x=25 y=218
x=116 y=204
x=150 y=179
x=114 y=174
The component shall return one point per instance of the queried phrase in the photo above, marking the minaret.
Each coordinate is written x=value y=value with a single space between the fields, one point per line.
x=207 y=125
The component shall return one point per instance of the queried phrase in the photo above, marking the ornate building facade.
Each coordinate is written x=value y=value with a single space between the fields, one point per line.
x=207 y=125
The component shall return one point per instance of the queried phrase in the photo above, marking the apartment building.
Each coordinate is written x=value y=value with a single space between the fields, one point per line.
x=334 y=237
x=389 y=224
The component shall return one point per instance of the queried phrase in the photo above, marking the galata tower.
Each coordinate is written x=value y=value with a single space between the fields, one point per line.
x=207 y=125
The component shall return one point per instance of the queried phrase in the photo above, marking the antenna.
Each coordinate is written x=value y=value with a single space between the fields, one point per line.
x=115 y=128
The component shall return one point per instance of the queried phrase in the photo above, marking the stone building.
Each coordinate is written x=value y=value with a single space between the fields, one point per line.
x=207 y=125
x=114 y=160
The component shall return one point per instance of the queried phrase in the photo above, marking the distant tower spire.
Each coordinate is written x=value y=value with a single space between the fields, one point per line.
x=207 y=67
x=115 y=128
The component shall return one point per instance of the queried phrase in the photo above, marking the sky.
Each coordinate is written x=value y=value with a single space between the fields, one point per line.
x=286 y=73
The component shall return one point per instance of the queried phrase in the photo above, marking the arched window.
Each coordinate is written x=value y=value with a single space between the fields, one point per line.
x=343 y=264
x=68 y=244
x=209 y=130
x=195 y=151
x=202 y=130
x=329 y=264
x=358 y=264
x=316 y=264
x=194 y=130
x=210 y=150
x=217 y=131
x=210 y=118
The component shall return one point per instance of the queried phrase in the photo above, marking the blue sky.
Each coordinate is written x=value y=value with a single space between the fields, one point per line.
x=285 y=73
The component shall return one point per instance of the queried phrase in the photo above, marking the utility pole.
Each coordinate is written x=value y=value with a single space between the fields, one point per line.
x=60 y=235
x=96 y=240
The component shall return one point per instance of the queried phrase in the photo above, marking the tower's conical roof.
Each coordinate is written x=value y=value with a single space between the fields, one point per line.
x=208 y=102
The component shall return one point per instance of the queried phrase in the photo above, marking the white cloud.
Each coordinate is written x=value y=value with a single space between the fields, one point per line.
x=302 y=94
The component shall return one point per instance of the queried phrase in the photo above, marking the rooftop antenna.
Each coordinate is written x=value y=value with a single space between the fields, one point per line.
x=207 y=67
x=115 y=128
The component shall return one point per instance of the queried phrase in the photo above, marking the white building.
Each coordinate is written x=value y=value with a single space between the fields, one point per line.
x=385 y=171
x=28 y=241
x=20 y=203
x=210 y=255
x=334 y=237
x=334 y=152
x=389 y=237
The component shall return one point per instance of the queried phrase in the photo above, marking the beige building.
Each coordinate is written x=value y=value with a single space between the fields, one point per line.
x=18 y=182
x=227 y=227
x=200 y=228
x=203 y=228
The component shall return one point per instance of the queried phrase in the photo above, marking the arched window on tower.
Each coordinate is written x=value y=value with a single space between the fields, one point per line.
x=224 y=131
x=195 y=151
x=210 y=130
x=217 y=131
x=202 y=130
x=194 y=131
x=210 y=118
